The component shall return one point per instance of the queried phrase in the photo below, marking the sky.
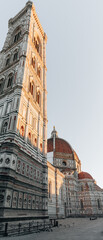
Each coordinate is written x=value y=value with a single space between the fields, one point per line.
x=74 y=73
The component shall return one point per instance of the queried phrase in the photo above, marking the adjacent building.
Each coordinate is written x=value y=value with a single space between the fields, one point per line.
x=71 y=192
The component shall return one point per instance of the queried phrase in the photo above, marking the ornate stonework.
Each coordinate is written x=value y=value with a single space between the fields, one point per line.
x=23 y=118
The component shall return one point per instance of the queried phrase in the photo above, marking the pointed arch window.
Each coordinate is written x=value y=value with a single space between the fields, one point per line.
x=38 y=45
x=33 y=62
x=39 y=72
x=16 y=55
x=8 y=61
x=29 y=137
x=32 y=88
x=5 y=126
x=22 y=131
x=17 y=36
x=10 y=80
x=38 y=96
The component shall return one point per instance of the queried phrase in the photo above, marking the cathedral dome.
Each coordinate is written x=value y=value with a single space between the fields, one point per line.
x=61 y=146
x=84 y=175
x=58 y=144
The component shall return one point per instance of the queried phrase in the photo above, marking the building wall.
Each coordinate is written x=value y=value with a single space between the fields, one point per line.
x=69 y=196
x=56 y=193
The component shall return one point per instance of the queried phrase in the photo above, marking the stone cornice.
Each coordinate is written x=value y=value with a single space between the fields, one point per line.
x=39 y=24
x=18 y=15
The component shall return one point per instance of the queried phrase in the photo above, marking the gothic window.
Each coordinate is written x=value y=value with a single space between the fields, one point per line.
x=14 y=123
x=29 y=136
x=38 y=97
x=39 y=72
x=15 y=57
x=41 y=147
x=7 y=61
x=33 y=62
x=35 y=141
x=4 y=128
x=10 y=80
x=17 y=37
x=38 y=45
x=31 y=88
x=22 y=131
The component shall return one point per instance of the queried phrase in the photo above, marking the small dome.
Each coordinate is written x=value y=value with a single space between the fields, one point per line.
x=84 y=175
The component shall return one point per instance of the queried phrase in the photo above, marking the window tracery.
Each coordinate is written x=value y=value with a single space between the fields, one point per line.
x=22 y=131
x=10 y=80
x=17 y=36
x=38 y=45
x=16 y=55
x=4 y=128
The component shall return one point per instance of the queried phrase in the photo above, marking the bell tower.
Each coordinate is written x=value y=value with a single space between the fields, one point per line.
x=23 y=118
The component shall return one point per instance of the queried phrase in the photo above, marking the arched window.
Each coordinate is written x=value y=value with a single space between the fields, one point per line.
x=35 y=141
x=39 y=50
x=14 y=123
x=15 y=57
x=8 y=61
x=29 y=136
x=39 y=72
x=22 y=131
x=41 y=147
x=38 y=97
x=33 y=62
x=17 y=36
x=38 y=45
x=5 y=125
x=32 y=88
x=10 y=80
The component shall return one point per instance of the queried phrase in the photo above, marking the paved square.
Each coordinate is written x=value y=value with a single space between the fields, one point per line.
x=69 y=229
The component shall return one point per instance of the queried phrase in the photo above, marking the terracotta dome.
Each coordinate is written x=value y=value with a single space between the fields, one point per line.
x=60 y=146
x=84 y=175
